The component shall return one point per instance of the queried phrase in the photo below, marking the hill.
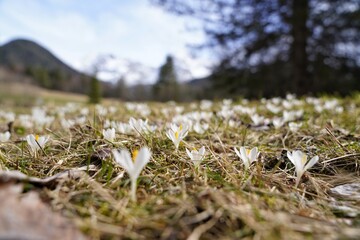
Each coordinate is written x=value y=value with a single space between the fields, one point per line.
x=21 y=54
x=25 y=61
x=33 y=61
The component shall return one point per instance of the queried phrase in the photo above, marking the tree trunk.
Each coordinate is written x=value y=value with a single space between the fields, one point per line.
x=299 y=57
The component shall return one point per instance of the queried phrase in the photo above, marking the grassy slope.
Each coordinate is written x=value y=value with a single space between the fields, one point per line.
x=19 y=94
x=220 y=199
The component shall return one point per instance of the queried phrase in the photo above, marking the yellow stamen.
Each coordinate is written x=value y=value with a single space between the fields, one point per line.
x=176 y=134
x=304 y=159
x=180 y=128
x=37 y=137
x=134 y=155
x=247 y=151
x=194 y=149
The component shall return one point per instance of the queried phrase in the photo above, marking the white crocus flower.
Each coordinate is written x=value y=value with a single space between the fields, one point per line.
x=276 y=100
x=257 y=119
x=299 y=159
x=225 y=112
x=205 y=104
x=84 y=111
x=247 y=156
x=140 y=126
x=273 y=108
x=141 y=108
x=25 y=121
x=177 y=134
x=200 y=128
x=67 y=123
x=319 y=108
x=134 y=165
x=112 y=109
x=289 y=116
x=107 y=123
x=4 y=137
x=36 y=143
x=287 y=104
x=232 y=123
x=278 y=122
x=109 y=134
x=123 y=128
x=40 y=118
x=101 y=110
x=339 y=109
x=8 y=116
x=294 y=127
x=196 y=156
x=80 y=120
x=331 y=104
x=179 y=109
x=227 y=102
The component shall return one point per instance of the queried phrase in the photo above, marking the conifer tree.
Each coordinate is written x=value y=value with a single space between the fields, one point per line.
x=121 y=89
x=166 y=87
x=95 y=91
x=267 y=48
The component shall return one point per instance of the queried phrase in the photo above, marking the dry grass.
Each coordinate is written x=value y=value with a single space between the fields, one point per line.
x=26 y=95
x=218 y=200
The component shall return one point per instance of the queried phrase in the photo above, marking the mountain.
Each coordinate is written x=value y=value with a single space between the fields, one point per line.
x=204 y=82
x=111 y=68
x=20 y=54
x=47 y=70
x=26 y=61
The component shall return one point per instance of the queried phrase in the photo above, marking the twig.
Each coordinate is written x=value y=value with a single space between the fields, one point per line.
x=341 y=157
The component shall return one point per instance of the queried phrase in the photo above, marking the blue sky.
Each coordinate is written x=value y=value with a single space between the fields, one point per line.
x=78 y=30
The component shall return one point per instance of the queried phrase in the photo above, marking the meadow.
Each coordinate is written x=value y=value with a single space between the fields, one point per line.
x=220 y=191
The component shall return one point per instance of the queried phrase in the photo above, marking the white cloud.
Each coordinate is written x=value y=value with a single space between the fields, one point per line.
x=75 y=30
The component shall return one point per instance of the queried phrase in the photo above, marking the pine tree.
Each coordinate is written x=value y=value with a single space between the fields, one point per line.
x=95 y=91
x=268 y=48
x=41 y=76
x=121 y=89
x=167 y=87
x=58 y=79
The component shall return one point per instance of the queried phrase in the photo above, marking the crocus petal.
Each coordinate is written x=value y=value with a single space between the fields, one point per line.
x=290 y=156
x=297 y=157
x=244 y=157
x=32 y=142
x=168 y=135
x=4 y=137
x=311 y=163
x=28 y=139
x=174 y=127
x=202 y=150
x=123 y=158
x=243 y=154
x=171 y=135
x=300 y=158
x=237 y=152
x=141 y=160
x=43 y=140
x=253 y=154
x=184 y=134
x=189 y=153
x=127 y=160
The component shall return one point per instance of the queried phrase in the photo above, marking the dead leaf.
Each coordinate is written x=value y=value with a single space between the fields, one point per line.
x=25 y=216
